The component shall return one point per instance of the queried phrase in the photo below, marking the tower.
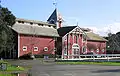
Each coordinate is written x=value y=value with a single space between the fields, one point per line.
x=55 y=17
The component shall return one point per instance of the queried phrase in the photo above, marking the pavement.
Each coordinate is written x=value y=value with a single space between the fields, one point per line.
x=39 y=68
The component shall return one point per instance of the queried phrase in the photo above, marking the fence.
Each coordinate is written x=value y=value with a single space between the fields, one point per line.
x=90 y=57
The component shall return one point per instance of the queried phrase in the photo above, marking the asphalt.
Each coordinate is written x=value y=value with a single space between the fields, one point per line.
x=40 y=68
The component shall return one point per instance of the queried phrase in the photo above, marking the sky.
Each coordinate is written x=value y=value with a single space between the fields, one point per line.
x=102 y=16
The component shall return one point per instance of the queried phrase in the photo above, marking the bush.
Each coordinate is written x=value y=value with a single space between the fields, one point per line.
x=42 y=55
x=26 y=56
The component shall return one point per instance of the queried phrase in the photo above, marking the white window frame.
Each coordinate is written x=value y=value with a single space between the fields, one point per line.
x=103 y=50
x=84 y=51
x=45 y=48
x=97 y=50
x=24 y=48
x=35 y=48
x=75 y=49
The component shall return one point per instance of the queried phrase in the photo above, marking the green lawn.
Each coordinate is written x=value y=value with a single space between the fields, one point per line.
x=91 y=63
x=12 y=68
x=7 y=75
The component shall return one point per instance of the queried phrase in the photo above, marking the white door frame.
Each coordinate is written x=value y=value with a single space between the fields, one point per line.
x=76 y=47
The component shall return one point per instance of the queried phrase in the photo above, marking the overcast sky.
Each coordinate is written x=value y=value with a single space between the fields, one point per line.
x=102 y=16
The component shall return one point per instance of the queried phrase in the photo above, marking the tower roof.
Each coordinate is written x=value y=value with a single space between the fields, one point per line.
x=53 y=17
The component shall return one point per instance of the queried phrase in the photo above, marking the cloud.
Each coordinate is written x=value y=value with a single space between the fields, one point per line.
x=103 y=31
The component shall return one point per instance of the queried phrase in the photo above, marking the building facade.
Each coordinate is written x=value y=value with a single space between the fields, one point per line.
x=76 y=41
x=34 y=37
x=41 y=38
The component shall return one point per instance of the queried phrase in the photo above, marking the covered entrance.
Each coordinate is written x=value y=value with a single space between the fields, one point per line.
x=75 y=51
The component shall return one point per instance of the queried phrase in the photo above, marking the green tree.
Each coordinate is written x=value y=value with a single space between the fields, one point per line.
x=7 y=19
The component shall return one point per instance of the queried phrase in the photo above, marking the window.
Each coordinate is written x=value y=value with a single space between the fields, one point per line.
x=103 y=50
x=84 y=50
x=76 y=51
x=45 y=48
x=24 y=48
x=65 y=51
x=35 y=48
x=97 y=50
x=77 y=37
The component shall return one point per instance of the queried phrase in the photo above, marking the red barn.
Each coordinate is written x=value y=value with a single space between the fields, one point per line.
x=34 y=37
x=75 y=41
x=38 y=37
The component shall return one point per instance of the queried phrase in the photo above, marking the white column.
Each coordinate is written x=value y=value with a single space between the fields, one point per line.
x=18 y=45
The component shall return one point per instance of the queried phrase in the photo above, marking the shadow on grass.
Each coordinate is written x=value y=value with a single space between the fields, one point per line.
x=104 y=71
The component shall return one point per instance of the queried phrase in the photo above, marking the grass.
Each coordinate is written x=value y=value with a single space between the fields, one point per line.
x=12 y=68
x=7 y=75
x=91 y=63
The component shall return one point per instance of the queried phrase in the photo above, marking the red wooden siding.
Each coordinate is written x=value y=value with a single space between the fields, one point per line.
x=94 y=45
x=39 y=42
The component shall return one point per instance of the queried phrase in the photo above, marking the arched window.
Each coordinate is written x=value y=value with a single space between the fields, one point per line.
x=75 y=49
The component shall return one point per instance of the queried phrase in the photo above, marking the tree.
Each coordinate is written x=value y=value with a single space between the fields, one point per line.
x=113 y=42
x=7 y=19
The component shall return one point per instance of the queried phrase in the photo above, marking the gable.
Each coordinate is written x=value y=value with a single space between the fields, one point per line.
x=64 y=30
x=77 y=30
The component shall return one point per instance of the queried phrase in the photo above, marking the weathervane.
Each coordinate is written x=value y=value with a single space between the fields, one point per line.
x=55 y=3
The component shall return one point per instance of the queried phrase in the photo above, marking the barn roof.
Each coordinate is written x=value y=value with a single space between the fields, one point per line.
x=33 y=21
x=44 y=29
x=64 y=30
x=90 y=35
x=93 y=36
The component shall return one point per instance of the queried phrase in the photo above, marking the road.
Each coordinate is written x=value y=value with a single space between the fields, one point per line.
x=51 y=69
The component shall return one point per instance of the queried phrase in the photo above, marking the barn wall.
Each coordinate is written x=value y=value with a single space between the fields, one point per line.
x=40 y=42
x=94 y=45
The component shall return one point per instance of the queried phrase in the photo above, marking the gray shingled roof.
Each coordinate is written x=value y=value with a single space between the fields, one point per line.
x=35 y=30
x=34 y=21
x=96 y=37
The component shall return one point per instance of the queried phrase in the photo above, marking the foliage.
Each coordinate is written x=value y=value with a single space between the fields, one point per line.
x=113 y=42
x=7 y=19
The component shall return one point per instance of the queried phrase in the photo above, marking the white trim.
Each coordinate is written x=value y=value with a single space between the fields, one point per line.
x=18 y=45
x=73 y=38
x=35 y=48
x=46 y=49
x=24 y=48
x=74 y=29
x=68 y=44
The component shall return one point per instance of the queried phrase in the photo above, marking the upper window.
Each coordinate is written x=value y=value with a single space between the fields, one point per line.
x=24 y=48
x=35 y=48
